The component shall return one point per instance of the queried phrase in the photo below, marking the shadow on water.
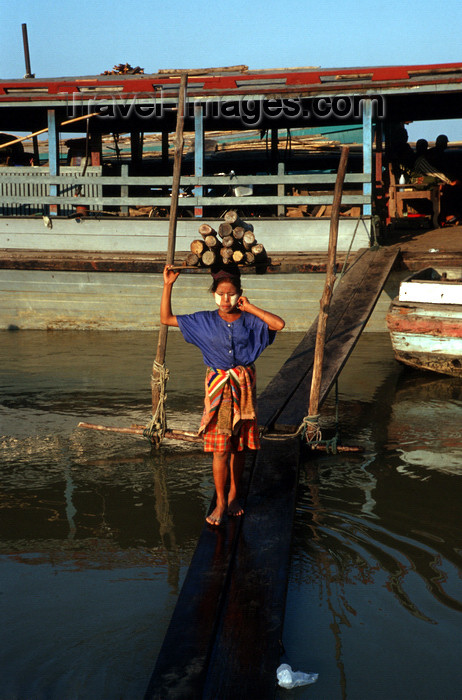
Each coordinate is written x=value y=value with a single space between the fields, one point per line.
x=375 y=593
x=96 y=530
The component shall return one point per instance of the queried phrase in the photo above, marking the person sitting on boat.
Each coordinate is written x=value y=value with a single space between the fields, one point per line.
x=400 y=154
x=230 y=338
x=437 y=155
x=423 y=171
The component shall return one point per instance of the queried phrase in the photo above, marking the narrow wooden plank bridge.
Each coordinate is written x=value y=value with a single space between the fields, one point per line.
x=225 y=636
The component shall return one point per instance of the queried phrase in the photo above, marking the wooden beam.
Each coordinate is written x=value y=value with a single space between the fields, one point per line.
x=202 y=71
x=162 y=338
x=42 y=131
x=248 y=642
x=184 y=435
x=90 y=261
x=328 y=287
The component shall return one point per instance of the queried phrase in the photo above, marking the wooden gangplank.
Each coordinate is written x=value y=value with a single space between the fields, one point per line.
x=224 y=639
x=355 y=295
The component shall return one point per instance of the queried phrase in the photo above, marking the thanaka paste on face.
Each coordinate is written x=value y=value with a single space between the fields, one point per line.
x=232 y=298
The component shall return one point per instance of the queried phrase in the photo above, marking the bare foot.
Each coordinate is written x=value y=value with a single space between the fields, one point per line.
x=216 y=516
x=234 y=508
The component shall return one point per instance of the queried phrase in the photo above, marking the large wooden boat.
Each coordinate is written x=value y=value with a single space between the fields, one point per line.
x=425 y=321
x=84 y=221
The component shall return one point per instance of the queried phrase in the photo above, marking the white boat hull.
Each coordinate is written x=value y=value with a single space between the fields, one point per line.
x=425 y=333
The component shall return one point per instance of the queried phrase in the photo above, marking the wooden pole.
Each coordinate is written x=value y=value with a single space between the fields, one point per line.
x=202 y=71
x=328 y=287
x=42 y=131
x=162 y=340
x=185 y=435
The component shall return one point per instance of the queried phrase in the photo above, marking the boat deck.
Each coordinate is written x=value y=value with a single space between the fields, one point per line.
x=427 y=247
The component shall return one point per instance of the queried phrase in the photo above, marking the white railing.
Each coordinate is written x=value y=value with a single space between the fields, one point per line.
x=25 y=191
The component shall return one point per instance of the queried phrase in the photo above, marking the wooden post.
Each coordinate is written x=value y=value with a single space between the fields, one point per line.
x=135 y=146
x=368 y=128
x=274 y=150
x=328 y=287
x=164 y=148
x=124 y=188
x=281 y=189
x=198 y=154
x=53 y=156
x=162 y=340
x=96 y=147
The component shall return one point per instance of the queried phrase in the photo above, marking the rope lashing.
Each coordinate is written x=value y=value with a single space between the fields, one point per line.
x=308 y=424
x=312 y=433
x=155 y=431
x=310 y=430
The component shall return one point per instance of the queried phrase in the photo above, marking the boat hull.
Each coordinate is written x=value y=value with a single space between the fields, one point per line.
x=427 y=336
x=72 y=300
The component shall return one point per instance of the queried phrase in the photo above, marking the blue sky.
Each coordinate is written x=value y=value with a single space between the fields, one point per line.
x=85 y=38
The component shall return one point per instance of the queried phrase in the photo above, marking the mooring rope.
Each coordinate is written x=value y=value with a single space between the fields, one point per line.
x=310 y=430
x=155 y=431
x=350 y=247
x=312 y=434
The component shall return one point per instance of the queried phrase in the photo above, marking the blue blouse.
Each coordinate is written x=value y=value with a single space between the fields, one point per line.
x=226 y=344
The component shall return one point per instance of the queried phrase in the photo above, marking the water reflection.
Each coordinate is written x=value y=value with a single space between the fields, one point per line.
x=426 y=425
x=96 y=531
x=375 y=595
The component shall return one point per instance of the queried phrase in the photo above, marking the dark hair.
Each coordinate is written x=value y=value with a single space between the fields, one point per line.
x=421 y=146
x=235 y=280
x=442 y=140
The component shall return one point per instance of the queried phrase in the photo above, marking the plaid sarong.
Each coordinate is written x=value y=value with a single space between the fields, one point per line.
x=229 y=419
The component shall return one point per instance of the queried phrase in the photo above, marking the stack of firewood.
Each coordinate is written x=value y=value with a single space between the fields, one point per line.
x=237 y=245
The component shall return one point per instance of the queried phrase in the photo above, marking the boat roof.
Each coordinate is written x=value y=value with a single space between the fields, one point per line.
x=413 y=92
x=240 y=80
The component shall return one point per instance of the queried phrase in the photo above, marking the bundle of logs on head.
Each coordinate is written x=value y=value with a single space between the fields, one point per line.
x=238 y=245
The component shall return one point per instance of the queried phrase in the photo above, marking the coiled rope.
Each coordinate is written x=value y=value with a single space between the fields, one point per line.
x=155 y=431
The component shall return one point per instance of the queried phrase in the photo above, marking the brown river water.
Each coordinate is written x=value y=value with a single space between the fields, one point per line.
x=97 y=531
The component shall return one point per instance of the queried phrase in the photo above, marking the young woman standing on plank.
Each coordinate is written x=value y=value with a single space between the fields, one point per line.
x=230 y=338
